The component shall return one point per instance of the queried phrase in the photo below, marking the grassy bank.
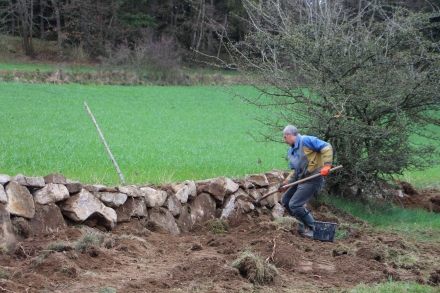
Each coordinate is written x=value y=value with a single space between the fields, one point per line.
x=416 y=224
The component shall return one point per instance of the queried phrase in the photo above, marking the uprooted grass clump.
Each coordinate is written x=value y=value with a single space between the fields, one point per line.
x=399 y=258
x=254 y=268
x=50 y=248
x=3 y=249
x=36 y=261
x=59 y=246
x=340 y=249
x=217 y=226
x=3 y=274
x=91 y=238
x=285 y=222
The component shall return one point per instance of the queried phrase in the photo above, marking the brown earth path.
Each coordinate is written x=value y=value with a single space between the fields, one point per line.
x=138 y=257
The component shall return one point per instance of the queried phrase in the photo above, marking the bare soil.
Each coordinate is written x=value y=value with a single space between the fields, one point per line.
x=140 y=257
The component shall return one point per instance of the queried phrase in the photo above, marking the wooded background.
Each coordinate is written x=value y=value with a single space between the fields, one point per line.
x=107 y=30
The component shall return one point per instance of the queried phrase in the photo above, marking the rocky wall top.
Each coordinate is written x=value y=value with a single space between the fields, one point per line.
x=41 y=204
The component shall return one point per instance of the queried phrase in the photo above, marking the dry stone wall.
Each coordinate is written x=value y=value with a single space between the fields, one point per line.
x=33 y=205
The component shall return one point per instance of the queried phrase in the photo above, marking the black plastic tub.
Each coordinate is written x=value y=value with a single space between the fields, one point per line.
x=324 y=231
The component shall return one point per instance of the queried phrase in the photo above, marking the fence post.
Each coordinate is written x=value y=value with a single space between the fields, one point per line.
x=105 y=144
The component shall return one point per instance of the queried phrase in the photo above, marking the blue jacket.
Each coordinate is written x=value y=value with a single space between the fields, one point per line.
x=308 y=156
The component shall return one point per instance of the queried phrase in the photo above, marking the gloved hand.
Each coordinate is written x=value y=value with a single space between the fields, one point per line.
x=283 y=187
x=324 y=170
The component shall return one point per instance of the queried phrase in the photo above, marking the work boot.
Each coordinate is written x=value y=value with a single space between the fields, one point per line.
x=301 y=228
x=310 y=223
x=308 y=234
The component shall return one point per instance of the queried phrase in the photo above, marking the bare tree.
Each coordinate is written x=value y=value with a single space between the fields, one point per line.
x=56 y=7
x=25 y=16
x=364 y=79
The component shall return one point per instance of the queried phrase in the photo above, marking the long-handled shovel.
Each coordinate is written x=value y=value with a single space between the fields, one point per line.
x=257 y=201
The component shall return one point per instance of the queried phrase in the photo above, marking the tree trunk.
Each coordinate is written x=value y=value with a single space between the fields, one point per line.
x=210 y=30
x=58 y=20
x=222 y=35
x=26 y=27
x=84 y=29
x=200 y=25
x=42 y=34
x=31 y=23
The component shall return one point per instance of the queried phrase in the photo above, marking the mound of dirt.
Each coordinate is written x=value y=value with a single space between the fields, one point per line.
x=137 y=257
x=427 y=199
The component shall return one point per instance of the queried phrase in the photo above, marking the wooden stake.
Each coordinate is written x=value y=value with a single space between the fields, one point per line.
x=105 y=144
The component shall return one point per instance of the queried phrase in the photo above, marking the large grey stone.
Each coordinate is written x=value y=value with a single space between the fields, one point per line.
x=153 y=197
x=221 y=187
x=245 y=184
x=254 y=193
x=4 y=179
x=276 y=176
x=7 y=235
x=33 y=182
x=173 y=205
x=73 y=186
x=51 y=193
x=237 y=204
x=84 y=205
x=192 y=190
x=131 y=190
x=273 y=199
x=185 y=222
x=202 y=208
x=181 y=192
x=164 y=218
x=55 y=178
x=259 y=180
x=93 y=188
x=20 y=200
x=112 y=199
x=244 y=206
x=47 y=218
x=3 y=197
x=133 y=207
x=229 y=207
x=277 y=211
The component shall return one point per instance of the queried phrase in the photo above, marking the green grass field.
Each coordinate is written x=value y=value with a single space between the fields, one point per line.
x=30 y=67
x=156 y=134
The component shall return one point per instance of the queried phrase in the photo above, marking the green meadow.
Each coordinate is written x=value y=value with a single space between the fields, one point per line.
x=156 y=134
x=26 y=66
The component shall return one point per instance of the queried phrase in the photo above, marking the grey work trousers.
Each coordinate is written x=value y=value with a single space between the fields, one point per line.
x=297 y=196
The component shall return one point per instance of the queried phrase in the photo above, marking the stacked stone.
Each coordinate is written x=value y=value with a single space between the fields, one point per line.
x=45 y=203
